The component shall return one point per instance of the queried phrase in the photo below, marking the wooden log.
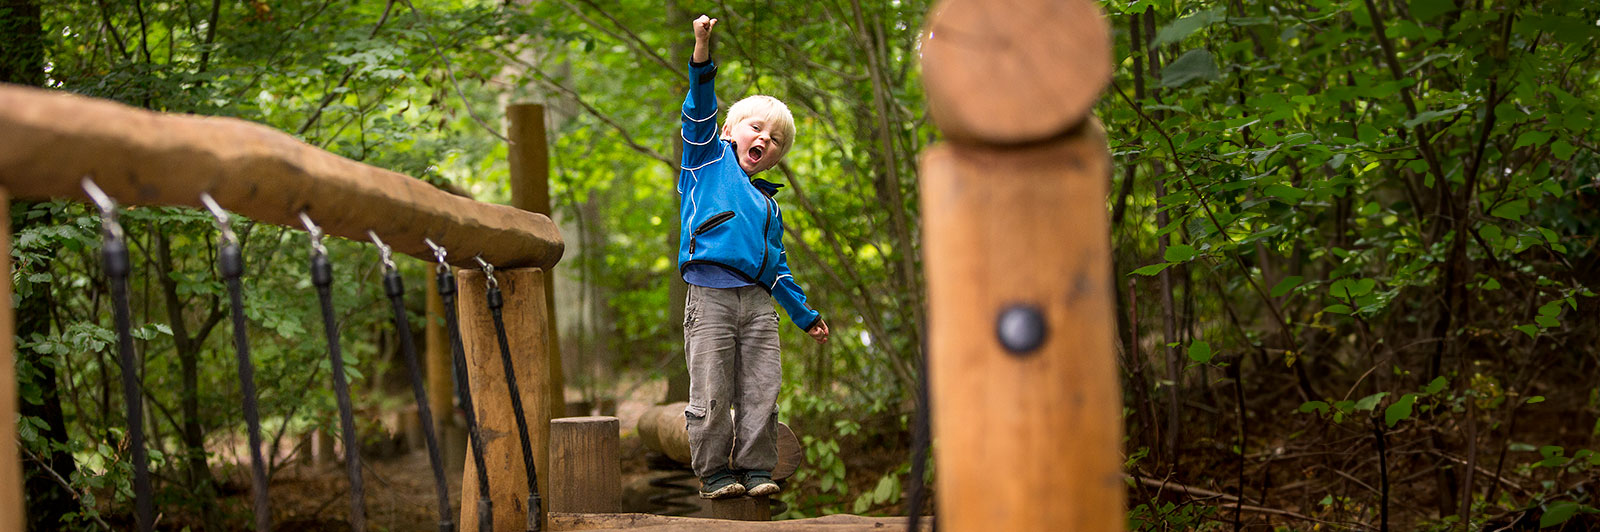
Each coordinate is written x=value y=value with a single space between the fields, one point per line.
x=11 y=507
x=529 y=158
x=524 y=320
x=1016 y=248
x=585 y=472
x=664 y=429
x=1013 y=71
x=49 y=140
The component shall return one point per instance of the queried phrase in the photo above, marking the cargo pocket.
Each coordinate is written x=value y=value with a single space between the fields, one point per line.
x=690 y=308
x=694 y=415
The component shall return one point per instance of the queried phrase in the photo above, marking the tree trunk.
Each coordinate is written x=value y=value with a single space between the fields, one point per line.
x=677 y=290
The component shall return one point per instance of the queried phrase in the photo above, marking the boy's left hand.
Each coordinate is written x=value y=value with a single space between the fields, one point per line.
x=819 y=332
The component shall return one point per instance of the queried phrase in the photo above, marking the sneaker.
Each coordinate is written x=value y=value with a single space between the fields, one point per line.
x=760 y=484
x=720 y=486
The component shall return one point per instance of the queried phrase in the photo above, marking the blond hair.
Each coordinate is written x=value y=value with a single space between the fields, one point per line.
x=771 y=111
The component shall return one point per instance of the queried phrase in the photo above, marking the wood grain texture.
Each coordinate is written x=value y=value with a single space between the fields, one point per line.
x=661 y=523
x=11 y=508
x=585 y=473
x=664 y=429
x=1008 y=226
x=1013 y=71
x=50 y=140
x=524 y=310
x=436 y=357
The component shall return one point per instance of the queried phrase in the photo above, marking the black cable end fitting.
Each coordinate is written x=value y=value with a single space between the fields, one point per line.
x=232 y=260
x=447 y=283
x=496 y=302
x=447 y=526
x=485 y=513
x=115 y=255
x=321 y=270
x=1021 y=329
x=392 y=284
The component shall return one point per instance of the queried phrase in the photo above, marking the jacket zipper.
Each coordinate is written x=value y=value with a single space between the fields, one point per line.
x=710 y=223
x=764 y=246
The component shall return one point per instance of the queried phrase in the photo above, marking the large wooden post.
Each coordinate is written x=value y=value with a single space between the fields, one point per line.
x=530 y=191
x=11 y=507
x=1026 y=407
x=524 y=317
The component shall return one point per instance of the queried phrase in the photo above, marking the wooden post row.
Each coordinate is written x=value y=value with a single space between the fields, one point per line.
x=524 y=317
x=529 y=158
x=1016 y=249
x=11 y=507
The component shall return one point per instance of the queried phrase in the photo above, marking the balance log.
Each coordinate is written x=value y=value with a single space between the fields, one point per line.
x=584 y=472
x=664 y=429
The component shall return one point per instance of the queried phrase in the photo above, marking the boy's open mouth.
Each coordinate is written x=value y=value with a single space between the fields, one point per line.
x=755 y=154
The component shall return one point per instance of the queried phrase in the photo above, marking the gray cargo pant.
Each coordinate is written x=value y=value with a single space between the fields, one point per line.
x=730 y=338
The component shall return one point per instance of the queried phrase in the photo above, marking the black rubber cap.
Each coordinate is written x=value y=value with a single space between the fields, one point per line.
x=321 y=270
x=232 y=261
x=447 y=283
x=392 y=285
x=495 y=301
x=1021 y=329
x=115 y=255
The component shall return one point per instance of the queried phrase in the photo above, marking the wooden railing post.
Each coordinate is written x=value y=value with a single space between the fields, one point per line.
x=524 y=315
x=529 y=158
x=1016 y=246
x=11 y=507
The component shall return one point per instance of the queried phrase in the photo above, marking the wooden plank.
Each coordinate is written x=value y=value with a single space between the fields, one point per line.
x=524 y=320
x=436 y=357
x=586 y=472
x=529 y=158
x=661 y=523
x=1024 y=226
x=50 y=140
x=11 y=507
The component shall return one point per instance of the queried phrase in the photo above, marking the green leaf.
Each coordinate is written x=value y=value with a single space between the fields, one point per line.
x=1346 y=289
x=1429 y=116
x=1152 y=269
x=1557 y=512
x=1531 y=138
x=1340 y=308
x=886 y=488
x=1536 y=399
x=1318 y=406
x=1529 y=330
x=1511 y=210
x=1547 y=321
x=1426 y=10
x=1371 y=401
x=1192 y=65
x=1179 y=253
x=1562 y=149
x=1435 y=386
x=1399 y=410
x=1200 y=351
x=1186 y=26
x=1287 y=284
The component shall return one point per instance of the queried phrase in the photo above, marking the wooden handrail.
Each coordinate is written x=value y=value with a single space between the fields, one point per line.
x=50 y=140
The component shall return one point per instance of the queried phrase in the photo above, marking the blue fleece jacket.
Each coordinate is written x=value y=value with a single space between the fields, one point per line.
x=727 y=219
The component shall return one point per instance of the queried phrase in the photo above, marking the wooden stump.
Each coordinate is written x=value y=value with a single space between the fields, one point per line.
x=585 y=472
x=737 y=509
x=523 y=313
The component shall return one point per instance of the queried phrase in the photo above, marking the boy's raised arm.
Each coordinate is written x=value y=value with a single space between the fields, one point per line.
x=700 y=108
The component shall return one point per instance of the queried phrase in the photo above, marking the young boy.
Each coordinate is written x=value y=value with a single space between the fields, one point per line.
x=731 y=253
